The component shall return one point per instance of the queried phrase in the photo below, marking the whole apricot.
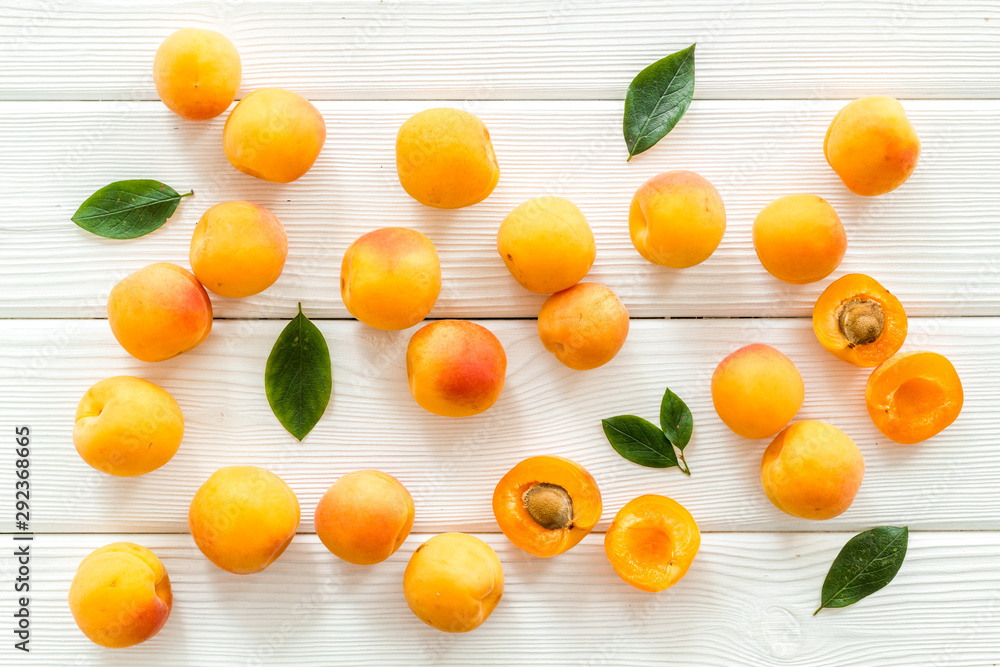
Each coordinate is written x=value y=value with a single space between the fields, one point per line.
x=756 y=391
x=546 y=504
x=584 y=325
x=455 y=368
x=120 y=595
x=445 y=159
x=799 y=239
x=159 y=311
x=914 y=396
x=453 y=582
x=197 y=73
x=859 y=321
x=812 y=470
x=243 y=517
x=652 y=542
x=274 y=134
x=364 y=517
x=126 y=426
x=238 y=249
x=546 y=244
x=676 y=219
x=390 y=278
x=872 y=145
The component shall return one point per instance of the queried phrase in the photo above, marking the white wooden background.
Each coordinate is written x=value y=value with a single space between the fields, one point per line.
x=78 y=110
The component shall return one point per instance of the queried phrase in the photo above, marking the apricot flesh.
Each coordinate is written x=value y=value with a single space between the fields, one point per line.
x=243 y=517
x=197 y=73
x=584 y=326
x=126 y=426
x=453 y=582
x=120 y=595
x=756 y=391
x=914 y=396
x=812 y=470
x=859 y=321
x=799 y=238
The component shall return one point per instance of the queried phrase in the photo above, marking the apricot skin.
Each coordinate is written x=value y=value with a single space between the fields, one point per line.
x=584 y=326
x=390 y=278
x=455 y=368
x=453 y=582
x=274 y=134
x=197 y=73
x=676 y=219
x=914 y=396
x=547 y=244
x=872 y=146
x=238 y=249
x=126 y=426
x=756 y=391
x=364 y=517
x=445 y=159
x=858 y=288
x=120 y=595
x=812 y=470
x=799 y=238
x=159 y=312
x=243 y=517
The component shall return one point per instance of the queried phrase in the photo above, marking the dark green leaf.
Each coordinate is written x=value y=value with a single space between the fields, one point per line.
x=657 y=98
x=298 y=378
x=128 y=209
x=639 y=441
x=676 y=420
x=867 y=563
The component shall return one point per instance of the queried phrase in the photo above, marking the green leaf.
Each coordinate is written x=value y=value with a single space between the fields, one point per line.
x=866 y=564
x=676 y=420
x=657 y=98
x=298 y=378
x=639 y=441
x=128 y=209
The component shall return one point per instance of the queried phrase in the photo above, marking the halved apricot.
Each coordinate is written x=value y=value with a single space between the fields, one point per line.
x=914 y=396
x=859 y=321
x=547 y=504
x=652 y=542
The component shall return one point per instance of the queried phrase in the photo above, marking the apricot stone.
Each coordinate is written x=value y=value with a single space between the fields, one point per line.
x=799 y=238
x=584 y=325
x=756 y=391
x=197 y=73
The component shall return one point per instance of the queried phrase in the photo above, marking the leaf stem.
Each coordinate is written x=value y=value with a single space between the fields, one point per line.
x=187 y=194
x=682 y=464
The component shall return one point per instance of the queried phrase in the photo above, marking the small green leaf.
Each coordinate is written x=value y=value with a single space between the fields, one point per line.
x=866 y=564
x=657 y=98
x=128 y=209
x=298 y=378
x=639 y=441
x=676 y=420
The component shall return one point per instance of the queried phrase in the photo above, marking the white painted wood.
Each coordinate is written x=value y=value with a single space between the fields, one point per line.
x=518 y=49
x=747 y=600
x=933 y=242
x=452 y=465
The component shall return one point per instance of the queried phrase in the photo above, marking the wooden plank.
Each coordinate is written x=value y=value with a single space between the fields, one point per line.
x=452 y=465
x=932 y=242
x=520 y=49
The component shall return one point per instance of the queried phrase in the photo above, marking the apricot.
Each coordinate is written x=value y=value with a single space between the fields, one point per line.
x=455 y=368
x=126 y=426
x=859 y=321
x=546 y=504
x=914 y=396
x=676 y=219
x=453 y=582
x=243 y=517
x=872 y=145
x=799 y=238
x=812 y=470
x=159 y=311
x=756 y=391
x=197 y=73
x=445 y=159
x=364 y=517
x=390 y=278
x=584 y=325
x=120 y=595
x=652 y=542
x=546 y=244
x=238 y=249
x=274 y=134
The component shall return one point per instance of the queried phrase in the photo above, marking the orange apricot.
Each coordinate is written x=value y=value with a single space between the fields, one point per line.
x=859 y=321
x=799 y=238
x=546 y=504
x=584 y=326
x=914 y=396
x=652 y=542
x=756 y=391
x=197 y=73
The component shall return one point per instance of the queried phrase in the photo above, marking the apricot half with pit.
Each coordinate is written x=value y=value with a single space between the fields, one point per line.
x=859 y=321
